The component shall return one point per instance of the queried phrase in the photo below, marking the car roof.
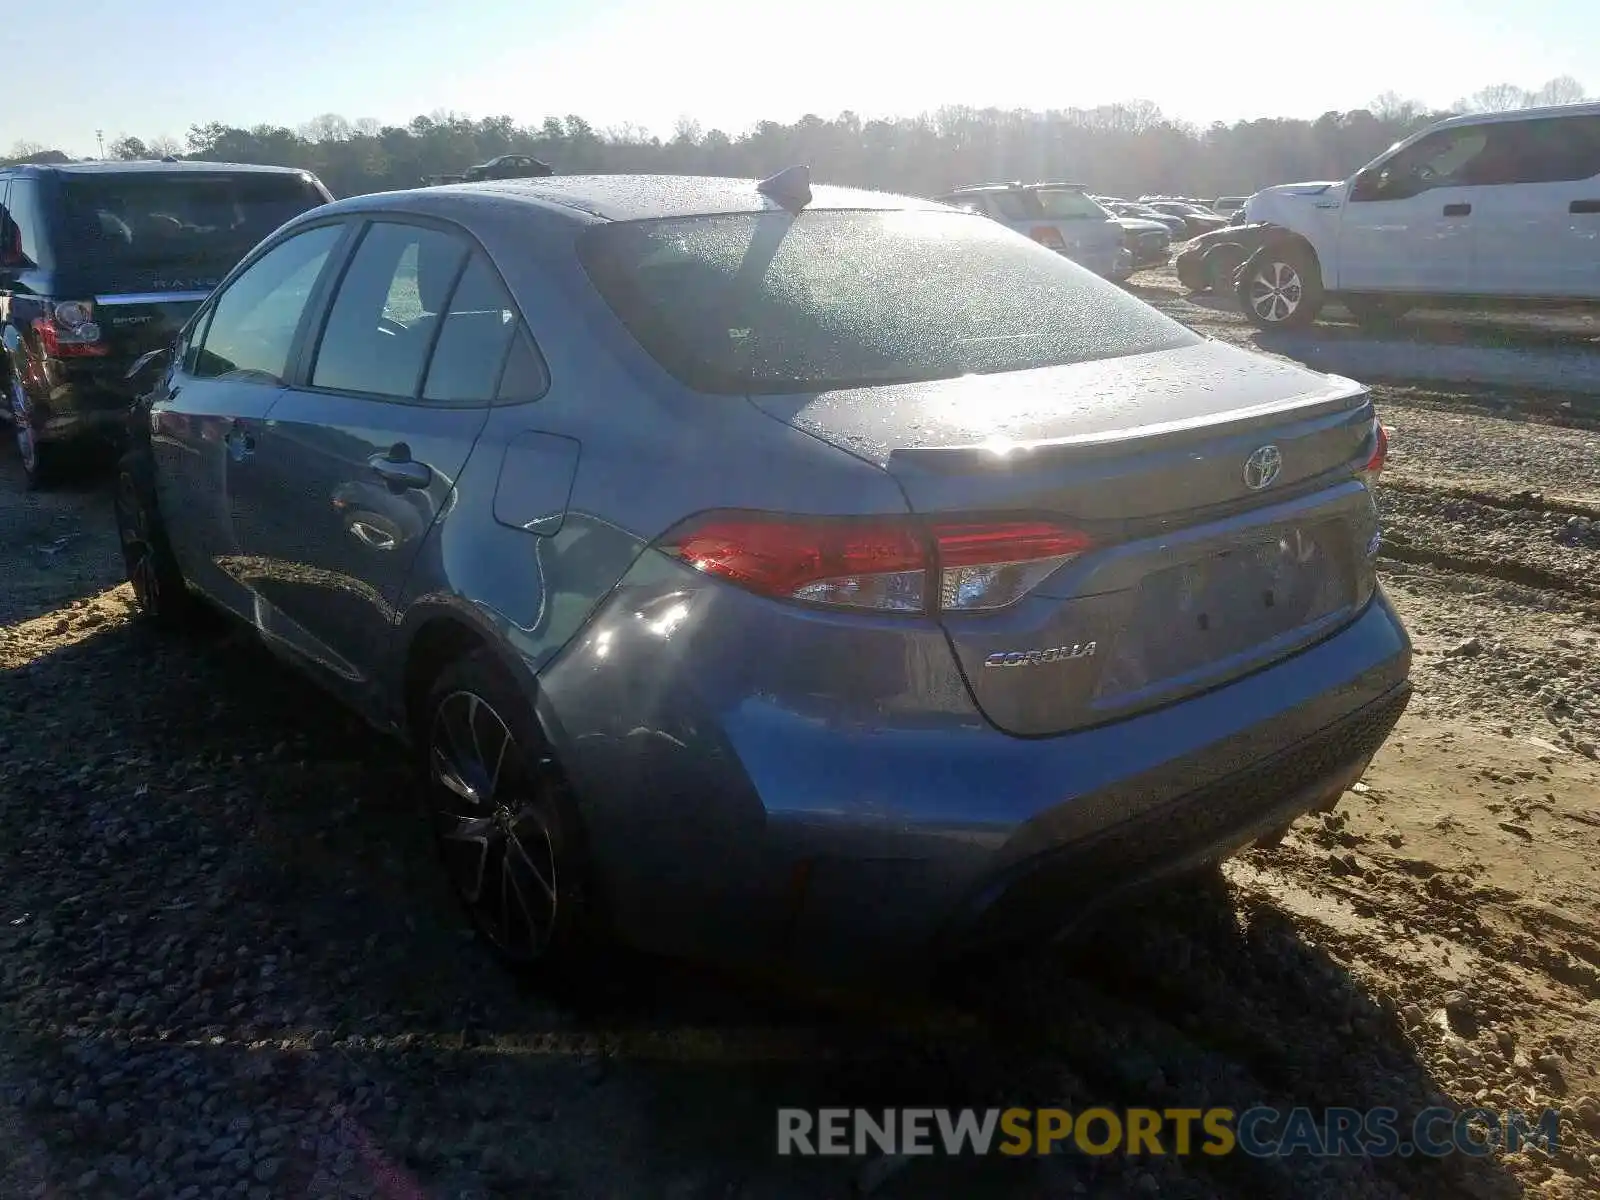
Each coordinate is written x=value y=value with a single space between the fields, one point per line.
x=1587 y=108
x=1018 y=186
x=625 y=197
x=154 y=166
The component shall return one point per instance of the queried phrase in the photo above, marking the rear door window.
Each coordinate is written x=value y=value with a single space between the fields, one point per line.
x=22 y=236
x=387 y=310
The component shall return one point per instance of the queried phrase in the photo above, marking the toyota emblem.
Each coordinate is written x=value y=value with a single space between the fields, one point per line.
x=1262 y=468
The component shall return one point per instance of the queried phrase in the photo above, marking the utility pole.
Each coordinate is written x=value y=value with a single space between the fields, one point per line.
x=100 y=139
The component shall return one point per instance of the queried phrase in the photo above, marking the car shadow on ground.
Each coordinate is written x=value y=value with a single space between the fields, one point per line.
x=234 y=913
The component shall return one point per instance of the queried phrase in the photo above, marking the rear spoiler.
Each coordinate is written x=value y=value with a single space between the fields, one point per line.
x=1341 y=398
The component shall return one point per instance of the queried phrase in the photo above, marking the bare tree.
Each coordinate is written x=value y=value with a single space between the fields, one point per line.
x=26 y=149
x=164 y=147
x=1497 y=97
x=368 y=126
x=329 y=127
x=1392 y=106
x=1563 y=89
x=686 y=130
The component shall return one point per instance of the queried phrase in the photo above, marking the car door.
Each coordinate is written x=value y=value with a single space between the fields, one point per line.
x=1538 y=217
x=360 y=457
x=1407 y=223
x=208 y=411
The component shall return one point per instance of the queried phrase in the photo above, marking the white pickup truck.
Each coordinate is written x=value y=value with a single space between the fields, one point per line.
x=1492 y=209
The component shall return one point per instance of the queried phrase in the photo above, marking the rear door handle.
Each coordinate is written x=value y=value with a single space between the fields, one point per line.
x=1584 y=206
x=398 y=469
x=240 y=441
x=1457 y=210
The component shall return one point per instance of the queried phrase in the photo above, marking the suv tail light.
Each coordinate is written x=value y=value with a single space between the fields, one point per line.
x=70 y=331
x=883 y=564
x=1048 y=236
x=1380 y=454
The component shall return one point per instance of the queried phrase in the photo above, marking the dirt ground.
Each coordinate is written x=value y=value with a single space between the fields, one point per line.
x=227 y=967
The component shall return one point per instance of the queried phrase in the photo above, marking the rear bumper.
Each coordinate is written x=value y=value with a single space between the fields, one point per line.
x=764 y=783
x=71 y=400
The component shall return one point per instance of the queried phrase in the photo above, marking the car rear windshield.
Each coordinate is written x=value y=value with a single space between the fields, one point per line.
x=770 y=303
x=172 y=219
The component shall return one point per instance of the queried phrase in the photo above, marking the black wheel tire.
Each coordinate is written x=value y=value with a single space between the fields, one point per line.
x=1280 y=287
x=1221 y=264
x=1376 y=312
x=506 y=802
x=159 y=589
x=38 y=458
x=1190 y=269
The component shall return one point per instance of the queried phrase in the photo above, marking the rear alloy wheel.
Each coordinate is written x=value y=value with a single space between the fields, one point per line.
x=34 y=454
x=158 y=585
x=1280 y=288
x=505 y=829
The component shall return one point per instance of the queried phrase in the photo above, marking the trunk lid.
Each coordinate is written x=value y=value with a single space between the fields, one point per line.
x=1193 y=576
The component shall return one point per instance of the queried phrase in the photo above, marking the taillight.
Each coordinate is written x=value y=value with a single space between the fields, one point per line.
x=70 y=331
x=1380 y=453
x=1049 y=236
x=882 y=564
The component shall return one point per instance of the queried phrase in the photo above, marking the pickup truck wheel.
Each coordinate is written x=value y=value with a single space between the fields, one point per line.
x=1376 y=312
x=1280 y=288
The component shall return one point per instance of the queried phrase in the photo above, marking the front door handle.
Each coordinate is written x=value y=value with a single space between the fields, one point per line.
x=1457 y=210
x=399 y=470
x=1584 y=206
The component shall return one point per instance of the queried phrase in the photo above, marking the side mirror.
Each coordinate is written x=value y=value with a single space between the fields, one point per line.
x=145 y=366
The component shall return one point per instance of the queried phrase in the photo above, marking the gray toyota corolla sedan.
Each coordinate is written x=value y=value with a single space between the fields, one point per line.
x=813 y=576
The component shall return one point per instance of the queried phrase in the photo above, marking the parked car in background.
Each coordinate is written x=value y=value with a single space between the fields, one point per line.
x=1226 y=206
x=1487 y=209
x=769 y=571
x=100 y=262
x=508 y=166
x=1196 y=220
x=1212 y=261
x=1060 y=216
x=1177 y=227
x=1149 y=243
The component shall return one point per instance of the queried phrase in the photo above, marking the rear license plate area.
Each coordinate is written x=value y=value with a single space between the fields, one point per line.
x=1221 y=606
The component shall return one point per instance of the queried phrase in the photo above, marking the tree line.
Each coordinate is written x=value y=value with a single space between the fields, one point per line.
x=1124 y=149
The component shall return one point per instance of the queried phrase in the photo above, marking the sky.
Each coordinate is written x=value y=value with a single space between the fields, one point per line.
x=132 y=68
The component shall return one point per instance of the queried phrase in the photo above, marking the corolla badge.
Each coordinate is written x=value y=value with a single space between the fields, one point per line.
x=1039 y=658
x=1262 y=468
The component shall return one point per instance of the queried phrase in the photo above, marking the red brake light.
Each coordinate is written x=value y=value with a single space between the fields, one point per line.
x=70 y=331
x=1380 y=453
x=883 y=564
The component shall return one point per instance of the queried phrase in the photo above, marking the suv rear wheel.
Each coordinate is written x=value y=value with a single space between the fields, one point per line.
x=37 y=457
x=1281 y=288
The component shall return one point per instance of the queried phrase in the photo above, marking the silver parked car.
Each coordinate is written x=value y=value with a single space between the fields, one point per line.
x=1061 y=216
x=773 y=572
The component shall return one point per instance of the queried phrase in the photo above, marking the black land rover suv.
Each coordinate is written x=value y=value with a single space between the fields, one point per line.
x=100 y=262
